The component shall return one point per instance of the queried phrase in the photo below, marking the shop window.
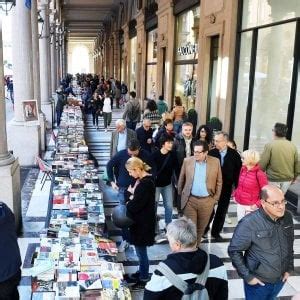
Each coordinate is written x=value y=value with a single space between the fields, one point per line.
x=243 y=89
x=151 y=64
x=261 y=12
x=272 y=84
x=132 y=81
x=186 y=56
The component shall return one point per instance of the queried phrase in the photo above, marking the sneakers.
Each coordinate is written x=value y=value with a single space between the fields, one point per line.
x=123 y=246
x=161 y=238
x=228 y=220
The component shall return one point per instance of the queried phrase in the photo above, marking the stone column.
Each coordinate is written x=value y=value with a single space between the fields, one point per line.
x=23 y=136
x=126 y=77
x=57 y=60
x=117 y=66
x=53 y=63
x=46 y=103
x=36 y=70
x=141 y=58
x=63 y=55
x=60 y=53
x=166 y=43
x=9 y=166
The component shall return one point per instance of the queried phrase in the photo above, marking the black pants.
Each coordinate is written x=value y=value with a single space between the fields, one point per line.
x=221 y=211
x=9 y=288
x=58 y=117
x=95 y=118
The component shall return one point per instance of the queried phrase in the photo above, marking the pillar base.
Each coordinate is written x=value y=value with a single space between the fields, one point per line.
x=43 y=131
x=24 y=139
x=47 y=109
x=10 y=190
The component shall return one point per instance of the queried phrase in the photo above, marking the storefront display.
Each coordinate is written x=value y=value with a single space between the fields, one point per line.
x=151 y=65
x=132 y=71
x=186 y=56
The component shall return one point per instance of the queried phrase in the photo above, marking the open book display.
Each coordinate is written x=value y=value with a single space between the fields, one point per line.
x=75 y=260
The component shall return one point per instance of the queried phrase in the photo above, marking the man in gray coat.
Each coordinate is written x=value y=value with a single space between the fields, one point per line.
x=261 y=248
x=121 y=137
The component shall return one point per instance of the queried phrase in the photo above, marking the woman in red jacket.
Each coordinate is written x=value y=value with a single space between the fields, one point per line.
x=251 y=181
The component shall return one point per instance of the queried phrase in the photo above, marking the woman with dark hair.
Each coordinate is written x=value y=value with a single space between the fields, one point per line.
x=204 y=133
x=178 y=114
x=152 y=114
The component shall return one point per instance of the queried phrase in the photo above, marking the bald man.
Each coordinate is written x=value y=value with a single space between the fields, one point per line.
x=261 y=248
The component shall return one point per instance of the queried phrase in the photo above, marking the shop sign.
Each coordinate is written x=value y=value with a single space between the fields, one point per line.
x=187 y=49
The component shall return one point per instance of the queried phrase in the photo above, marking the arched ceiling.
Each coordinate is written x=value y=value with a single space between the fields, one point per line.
x=84 y=18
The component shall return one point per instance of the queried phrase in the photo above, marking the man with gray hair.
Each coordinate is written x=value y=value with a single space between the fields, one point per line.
x=261 y=247
x=187 y=261
x=280 y=159
x=121 y=137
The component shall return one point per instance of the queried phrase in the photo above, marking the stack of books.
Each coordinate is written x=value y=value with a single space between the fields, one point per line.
x=74 y=259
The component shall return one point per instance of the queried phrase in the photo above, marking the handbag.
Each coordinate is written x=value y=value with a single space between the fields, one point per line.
x=120 y=218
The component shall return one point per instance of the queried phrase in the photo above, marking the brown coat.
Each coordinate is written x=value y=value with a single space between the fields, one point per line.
x=213 y=178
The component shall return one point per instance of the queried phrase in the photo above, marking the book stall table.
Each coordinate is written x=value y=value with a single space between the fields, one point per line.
x=74 y=259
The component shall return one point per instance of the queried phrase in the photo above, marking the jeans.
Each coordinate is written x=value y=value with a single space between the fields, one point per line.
x=121 y=198
x=131 y=125
x=267 y=292
x=141 y=252
x=177 y=126
x=167 y=195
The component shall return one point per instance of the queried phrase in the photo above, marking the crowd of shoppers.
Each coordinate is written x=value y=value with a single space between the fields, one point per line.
x=199 y=172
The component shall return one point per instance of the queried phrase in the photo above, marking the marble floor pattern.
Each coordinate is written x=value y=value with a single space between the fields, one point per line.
x=35 y=220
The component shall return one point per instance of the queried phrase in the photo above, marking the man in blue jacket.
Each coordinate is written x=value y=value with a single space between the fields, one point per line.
x=10 y=258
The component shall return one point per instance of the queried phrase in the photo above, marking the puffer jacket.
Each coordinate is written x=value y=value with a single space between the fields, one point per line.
x=249 y=186
x=263 y=248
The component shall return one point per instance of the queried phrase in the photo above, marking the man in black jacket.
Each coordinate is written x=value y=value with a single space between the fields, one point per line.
x=183 y=145
x=261 y=248
x=10 y=258
x=231 y=164
x=144 y=135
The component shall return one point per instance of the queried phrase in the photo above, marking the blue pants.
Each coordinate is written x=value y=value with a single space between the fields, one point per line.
x=121 y=198
x=267 y=292
x=141 y=252
x=167 y=195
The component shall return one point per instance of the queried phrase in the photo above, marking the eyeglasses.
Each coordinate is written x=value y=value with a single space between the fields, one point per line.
x=198 y=152
x=277 y=204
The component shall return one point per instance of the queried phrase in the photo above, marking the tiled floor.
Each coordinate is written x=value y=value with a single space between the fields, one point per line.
x=35 y=208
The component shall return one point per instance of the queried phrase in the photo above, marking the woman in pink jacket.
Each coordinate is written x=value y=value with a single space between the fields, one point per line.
x=251 y=180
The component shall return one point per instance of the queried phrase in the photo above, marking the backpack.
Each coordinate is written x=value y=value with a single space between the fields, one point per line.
x=133 y=112
x=195 y=291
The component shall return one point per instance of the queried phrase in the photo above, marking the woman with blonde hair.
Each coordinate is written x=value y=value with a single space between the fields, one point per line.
x=141 y=209
x=251 y=180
